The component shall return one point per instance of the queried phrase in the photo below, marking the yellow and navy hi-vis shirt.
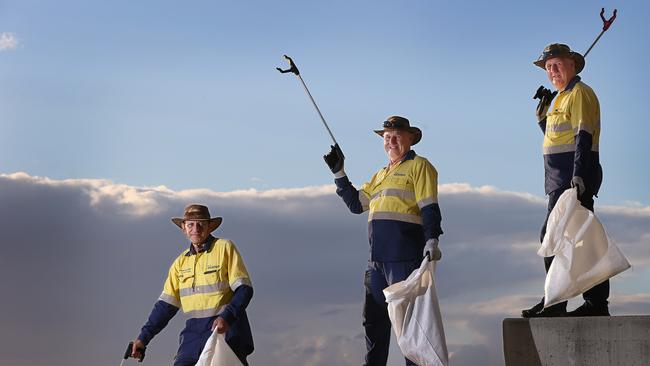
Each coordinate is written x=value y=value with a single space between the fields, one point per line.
x=207 y=283
x=571 y=137
x=403 y=208
x=202 y=283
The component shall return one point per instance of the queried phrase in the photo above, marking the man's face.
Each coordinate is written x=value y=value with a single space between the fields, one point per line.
x=397 y=143
x=560 y=70
x=196 y=231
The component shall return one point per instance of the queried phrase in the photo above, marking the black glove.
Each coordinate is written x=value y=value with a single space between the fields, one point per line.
x=335 y=159
x=545 y=97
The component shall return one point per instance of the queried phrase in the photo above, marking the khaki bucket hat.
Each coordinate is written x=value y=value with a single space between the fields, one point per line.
x=400 y=123
x=560 y=50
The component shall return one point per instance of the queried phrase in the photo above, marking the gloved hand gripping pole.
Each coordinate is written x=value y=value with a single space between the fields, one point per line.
x=293 y=69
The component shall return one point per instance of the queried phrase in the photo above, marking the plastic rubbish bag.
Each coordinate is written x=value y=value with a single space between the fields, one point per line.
x=216 y=352
x=584 y=254
x=415 y=315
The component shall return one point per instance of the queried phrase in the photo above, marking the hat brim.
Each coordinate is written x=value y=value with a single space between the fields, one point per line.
x=212 y=226
x=579 y=60
x=417 y=133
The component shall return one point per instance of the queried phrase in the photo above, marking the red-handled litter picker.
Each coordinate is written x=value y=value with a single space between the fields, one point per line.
x=127 y=353
x=606 y=24
x=542 y=91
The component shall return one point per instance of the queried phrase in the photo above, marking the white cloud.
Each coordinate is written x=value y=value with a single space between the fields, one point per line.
x=635 y=210
x=137 y=201
x=8 y=41
x=109 y=245
x=460 y=188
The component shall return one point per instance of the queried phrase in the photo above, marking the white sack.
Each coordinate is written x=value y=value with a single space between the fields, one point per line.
x=584 y=254
x=415 y=314
x=217 y=353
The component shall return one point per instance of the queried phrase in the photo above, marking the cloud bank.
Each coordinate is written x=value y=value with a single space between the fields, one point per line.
x=84 y=260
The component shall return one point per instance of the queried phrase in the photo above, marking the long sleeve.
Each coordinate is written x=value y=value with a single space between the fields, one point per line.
x=240 y=300
x=351 y=196
x=585 y=120
x=425 y=180
x=240 y=283
x=431 y=221
x=584 y=142
x=160 y=315
x=542 y=125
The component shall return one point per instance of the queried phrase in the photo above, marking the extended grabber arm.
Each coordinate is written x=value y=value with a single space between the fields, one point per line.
x=294 y=69
x=606 y=24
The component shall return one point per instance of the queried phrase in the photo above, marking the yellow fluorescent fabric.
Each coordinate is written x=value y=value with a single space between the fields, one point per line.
x=574 y=110
x=393 y=194
x=201 y=283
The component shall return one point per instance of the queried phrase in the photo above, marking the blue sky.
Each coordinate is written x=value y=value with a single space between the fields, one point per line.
x=152 y=93
x=110 y=107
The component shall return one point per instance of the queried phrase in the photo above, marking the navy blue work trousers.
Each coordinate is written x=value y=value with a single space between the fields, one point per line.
x=598 y=294
x=196 y=334
x=376 y=322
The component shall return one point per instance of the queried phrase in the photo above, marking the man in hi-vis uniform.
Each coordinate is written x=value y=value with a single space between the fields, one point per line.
x=211 y=284
x=571 y=130
x=403 y=223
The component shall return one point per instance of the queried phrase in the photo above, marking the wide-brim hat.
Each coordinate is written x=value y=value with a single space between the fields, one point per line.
x=400 y=123
x=560 y=50
x=198 y=213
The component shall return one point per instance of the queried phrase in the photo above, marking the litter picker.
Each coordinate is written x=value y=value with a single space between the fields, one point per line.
x=542 y=91
x=127 y=353
x=606 y=24
x=293 y=69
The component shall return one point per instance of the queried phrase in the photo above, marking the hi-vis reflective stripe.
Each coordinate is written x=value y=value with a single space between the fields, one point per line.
x=563 y=148
x=589 y=128
x=395 y=192
x=365 y=201
x=426 y=202
x=559 y=149
x=171 y=300
x=564 y=126
x=413 y=219
x=203 y=289
x=206 y=313
x=239 y=282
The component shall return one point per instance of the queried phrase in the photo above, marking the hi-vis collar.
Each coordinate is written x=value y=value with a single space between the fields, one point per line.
x=408 y=156
x=576 y=79
x=205 y=247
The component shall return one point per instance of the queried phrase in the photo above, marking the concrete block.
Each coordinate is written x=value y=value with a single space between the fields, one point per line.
x=571 y=341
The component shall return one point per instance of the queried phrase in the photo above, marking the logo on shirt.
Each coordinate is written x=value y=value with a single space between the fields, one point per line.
x=185 y=272
x=211 y=268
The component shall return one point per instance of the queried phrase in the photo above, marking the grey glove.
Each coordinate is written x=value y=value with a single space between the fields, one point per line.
x=545 y=97
x=431 y=250
x=577 y=182
x=334 y=160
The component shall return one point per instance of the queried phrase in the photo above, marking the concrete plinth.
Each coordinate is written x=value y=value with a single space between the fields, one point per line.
x=588 y=341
